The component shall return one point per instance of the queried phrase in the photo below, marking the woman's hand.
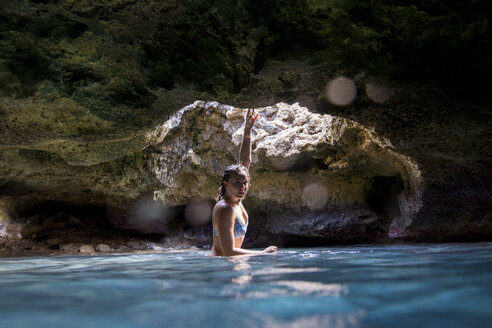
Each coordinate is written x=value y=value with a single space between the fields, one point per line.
x=245 y=150
x=270 y=249
x=250 y=120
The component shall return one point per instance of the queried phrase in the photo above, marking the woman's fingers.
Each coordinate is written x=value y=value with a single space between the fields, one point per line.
x=251 y=117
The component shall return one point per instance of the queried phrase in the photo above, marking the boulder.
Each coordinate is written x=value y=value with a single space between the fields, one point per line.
x=86 y=249
x=14 y=229
x=103 y=248
x=70 y=247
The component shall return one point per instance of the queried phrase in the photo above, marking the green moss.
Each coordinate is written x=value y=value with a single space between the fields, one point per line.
x=92 y=153
x=23 y=58
x=59 y=117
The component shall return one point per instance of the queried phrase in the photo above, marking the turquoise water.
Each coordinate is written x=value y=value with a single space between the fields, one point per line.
x=425 y=285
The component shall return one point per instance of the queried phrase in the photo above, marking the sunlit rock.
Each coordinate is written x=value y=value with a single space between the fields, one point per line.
x=301 y=161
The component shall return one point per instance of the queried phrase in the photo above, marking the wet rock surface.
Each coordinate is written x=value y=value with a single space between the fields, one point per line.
x=390 y=139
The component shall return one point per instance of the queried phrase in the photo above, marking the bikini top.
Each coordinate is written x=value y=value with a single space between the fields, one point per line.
x=239 y=229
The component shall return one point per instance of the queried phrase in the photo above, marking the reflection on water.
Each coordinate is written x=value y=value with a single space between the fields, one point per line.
x=241 y=264
x=360 y=286
x=315 y=288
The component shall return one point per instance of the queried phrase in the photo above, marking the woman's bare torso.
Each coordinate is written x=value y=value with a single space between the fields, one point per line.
x=239 y=212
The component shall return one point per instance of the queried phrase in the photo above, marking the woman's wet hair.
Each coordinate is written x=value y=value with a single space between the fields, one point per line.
x=229 y=171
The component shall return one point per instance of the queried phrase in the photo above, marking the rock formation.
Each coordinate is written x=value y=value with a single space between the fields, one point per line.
x=313 y=175
x=374 y=117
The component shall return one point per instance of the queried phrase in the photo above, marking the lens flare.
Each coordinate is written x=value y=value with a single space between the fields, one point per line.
x=377 y=90
x=198 y=212
x=147 y=215
x=148 y=211
x=341 y=91
x=315 y=196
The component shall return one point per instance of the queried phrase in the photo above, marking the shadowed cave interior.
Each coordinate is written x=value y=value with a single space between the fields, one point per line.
x=61 y=223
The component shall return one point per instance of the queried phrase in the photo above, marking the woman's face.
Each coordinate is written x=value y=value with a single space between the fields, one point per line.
x=237 y=186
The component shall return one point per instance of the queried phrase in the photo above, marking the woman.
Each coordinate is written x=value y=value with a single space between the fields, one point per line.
x=229 y=217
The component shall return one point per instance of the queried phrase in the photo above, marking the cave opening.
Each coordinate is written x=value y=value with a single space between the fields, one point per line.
x=52 y=225
x=152 y=217
x=88 y=214
x=383 y=193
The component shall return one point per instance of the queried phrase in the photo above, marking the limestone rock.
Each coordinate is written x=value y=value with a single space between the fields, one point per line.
x=103 y=248
x=14 y=229
x=70 y=247
x=86 y=249
x=301 y=162
x=83 y=85
x=6 y=209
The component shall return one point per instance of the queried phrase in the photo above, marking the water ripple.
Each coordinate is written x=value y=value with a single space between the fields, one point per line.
x=353 y=286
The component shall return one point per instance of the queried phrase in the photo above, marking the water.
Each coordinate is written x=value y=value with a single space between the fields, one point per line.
x=443 y=285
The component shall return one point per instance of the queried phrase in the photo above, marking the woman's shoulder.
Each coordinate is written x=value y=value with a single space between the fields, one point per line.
x=222 y=209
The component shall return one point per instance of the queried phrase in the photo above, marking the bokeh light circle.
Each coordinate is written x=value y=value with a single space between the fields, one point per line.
x=341 y=91
x=315 y=196
x=198 y=212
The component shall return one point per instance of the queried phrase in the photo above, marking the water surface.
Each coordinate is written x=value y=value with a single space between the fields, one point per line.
x=425 y=285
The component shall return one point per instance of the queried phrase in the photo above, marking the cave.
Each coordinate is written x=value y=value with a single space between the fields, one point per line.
x=371 y=144
x=382 y=196
x=85 y=212
x=306 y=162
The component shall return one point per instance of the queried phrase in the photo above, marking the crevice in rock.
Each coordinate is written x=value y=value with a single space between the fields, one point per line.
x=383 y=195
x=306 y=162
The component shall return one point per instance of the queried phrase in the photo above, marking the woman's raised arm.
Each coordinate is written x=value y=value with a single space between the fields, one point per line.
x=245 y=150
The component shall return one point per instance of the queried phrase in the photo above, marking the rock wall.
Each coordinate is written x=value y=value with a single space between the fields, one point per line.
x=312 y=174
x=386 y=134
